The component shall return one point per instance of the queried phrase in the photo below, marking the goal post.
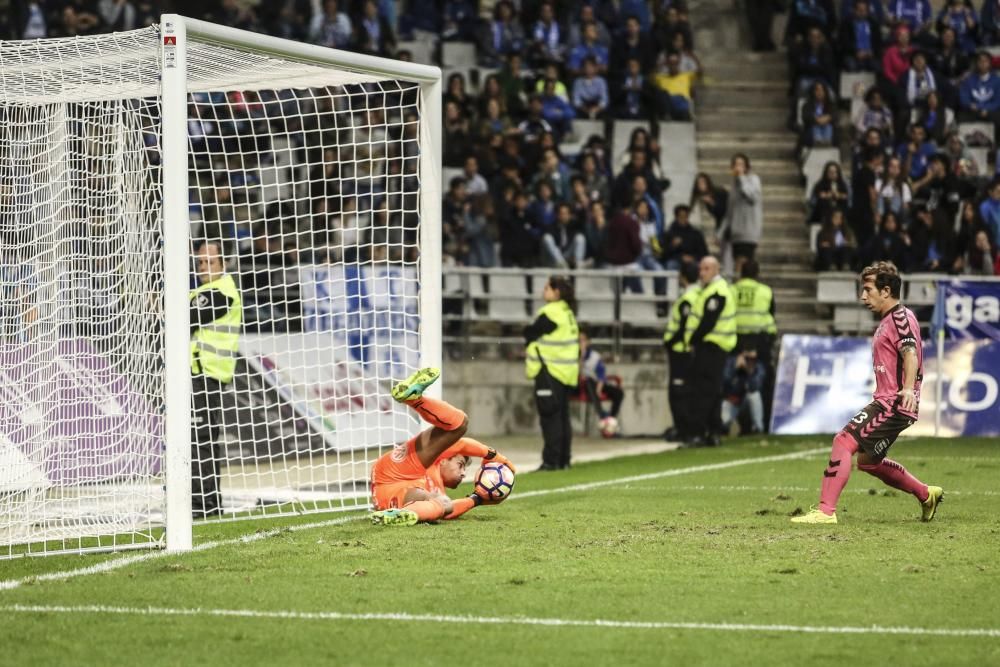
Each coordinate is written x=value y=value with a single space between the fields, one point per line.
x=317 y=173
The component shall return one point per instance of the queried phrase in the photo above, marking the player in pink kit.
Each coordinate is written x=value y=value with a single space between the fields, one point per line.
x=897 y=357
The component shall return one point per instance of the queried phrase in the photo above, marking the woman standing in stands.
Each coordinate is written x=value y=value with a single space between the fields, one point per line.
x=552 y=361
x=744 y=221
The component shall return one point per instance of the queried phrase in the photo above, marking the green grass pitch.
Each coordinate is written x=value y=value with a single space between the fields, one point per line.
x=685 y=558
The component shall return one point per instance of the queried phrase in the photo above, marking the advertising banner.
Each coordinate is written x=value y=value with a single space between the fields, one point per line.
x=823 y=381
x=968 y=310
x=73 y=418
x=371 y=310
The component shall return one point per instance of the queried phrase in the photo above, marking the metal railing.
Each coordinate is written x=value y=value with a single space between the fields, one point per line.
x=622 y=309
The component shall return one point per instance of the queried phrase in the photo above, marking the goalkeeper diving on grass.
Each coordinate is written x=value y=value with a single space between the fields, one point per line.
x=408 y=483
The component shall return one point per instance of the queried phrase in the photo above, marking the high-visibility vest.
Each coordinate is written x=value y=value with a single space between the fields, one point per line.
x=558 y=350
x=214 y=346
x=674 y=323
x=753 y=307
x=724 y=332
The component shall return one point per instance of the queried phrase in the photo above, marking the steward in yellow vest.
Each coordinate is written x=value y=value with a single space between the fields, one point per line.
x=712 y=327
x=216 y=320
x=552 y=360
x=754 y=303
x=755 y=325
x=679 y=326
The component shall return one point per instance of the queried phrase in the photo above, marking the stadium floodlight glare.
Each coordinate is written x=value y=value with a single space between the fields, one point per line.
x=319 y=170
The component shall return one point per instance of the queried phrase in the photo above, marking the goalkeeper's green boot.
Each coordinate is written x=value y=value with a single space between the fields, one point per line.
x=394 y=518
x=928 y=508
x=415 y=385
x=815 y=516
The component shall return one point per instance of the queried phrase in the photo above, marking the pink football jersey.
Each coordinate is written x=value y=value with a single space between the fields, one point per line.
x=898 y=329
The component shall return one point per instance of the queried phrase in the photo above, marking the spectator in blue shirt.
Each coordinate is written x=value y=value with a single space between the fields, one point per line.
x=500 y=37
x=960 y=17
x=577 y=28
x=590 y=92
x=916 y=153
x=860 y=40
x=588 y=48
x=979 y=95
x=556 y=110
x=546 y=37
x=594 y=376
x=876 y=10
x=989 y=211
x=915 y=14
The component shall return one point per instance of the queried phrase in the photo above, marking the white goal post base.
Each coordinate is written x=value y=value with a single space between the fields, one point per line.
x=318 y=174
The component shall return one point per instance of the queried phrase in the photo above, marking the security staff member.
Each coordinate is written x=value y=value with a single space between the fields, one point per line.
x=712 y=337
x=216 y=319
x=755 y=326
x=679 y=354
x=552 y=360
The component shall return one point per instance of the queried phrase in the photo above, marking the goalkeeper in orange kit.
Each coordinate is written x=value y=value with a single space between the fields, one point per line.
x=408 y=483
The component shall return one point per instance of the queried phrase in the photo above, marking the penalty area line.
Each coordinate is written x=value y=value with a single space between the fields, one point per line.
x=992 y=633
x=125 y=561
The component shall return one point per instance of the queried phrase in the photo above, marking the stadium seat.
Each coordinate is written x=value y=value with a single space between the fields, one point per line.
x=980 y=155
x=448 y=173
x=853 y=85
x=508 y=296
x=596 y=298
x=422 y=50
x=836 y=287
x=676 y=138
x=920 y=289
x=967 y=130
x=815 y=160
x=583 y=129
x=640 y=309
x=813 y=235
x=458 y=54
x=852 y=319
x=620 y=135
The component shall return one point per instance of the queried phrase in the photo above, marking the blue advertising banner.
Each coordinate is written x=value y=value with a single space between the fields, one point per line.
x=967 y=309
x=822 y=382
x=372 y=310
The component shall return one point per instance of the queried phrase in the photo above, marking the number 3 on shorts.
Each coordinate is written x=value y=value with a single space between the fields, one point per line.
x=860 y=417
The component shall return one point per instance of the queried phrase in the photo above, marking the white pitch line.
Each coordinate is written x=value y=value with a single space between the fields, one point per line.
x=992 y=633
x=806 y=489
x=674 y=472
x=118 y=563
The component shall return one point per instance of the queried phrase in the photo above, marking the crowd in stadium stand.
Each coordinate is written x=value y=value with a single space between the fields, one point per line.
x=519 y=201
x=914 y=194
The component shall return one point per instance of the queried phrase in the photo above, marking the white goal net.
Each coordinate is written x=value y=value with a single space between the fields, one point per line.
x=310 y=172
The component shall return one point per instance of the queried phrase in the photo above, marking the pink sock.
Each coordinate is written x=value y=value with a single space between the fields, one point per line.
x=897 y=477
x=837 y=473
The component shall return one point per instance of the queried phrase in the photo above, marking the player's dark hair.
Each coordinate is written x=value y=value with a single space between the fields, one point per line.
x=751 y=269
x=565 y=288
x=885 y=274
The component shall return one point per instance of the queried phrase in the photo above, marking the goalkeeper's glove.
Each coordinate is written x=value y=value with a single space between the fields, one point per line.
x=494 y=456
x=479 y=500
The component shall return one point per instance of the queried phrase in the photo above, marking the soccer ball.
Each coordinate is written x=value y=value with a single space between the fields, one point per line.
x=494 y=481
x=609 y=427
